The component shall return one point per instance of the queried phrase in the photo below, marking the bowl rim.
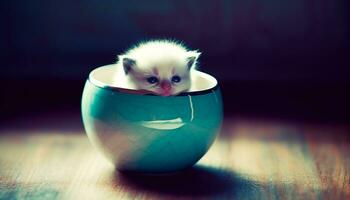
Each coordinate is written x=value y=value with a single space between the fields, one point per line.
x=107 y=86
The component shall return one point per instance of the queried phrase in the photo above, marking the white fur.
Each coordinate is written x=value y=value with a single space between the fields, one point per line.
x=166 y=56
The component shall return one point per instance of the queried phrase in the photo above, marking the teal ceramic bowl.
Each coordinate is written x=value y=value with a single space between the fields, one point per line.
x=148 y=133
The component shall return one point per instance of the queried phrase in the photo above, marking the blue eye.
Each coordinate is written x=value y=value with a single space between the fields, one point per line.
x=152 y=80
x=176 y=79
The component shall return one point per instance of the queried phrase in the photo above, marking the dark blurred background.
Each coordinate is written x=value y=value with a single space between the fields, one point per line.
x=284 y=59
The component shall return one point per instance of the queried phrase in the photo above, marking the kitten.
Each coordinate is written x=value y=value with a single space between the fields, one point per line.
x=161 y=67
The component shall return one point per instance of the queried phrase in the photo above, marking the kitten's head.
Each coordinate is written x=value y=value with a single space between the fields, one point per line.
x=164 y=69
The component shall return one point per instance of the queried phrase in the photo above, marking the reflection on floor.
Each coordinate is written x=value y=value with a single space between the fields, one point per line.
x=50 y=157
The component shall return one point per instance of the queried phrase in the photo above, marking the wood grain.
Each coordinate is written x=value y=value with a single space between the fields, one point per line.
x=252 y=159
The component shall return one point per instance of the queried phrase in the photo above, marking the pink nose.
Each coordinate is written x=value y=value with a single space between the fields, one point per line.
x=165 y=85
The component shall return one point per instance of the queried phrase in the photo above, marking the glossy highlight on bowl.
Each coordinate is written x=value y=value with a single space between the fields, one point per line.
x=147 y=133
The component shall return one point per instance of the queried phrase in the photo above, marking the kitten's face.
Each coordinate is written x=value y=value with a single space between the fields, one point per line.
x=164 y=80
x=162 y=70
x=161 y=66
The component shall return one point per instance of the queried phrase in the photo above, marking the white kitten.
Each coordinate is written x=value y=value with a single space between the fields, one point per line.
x=161 y=67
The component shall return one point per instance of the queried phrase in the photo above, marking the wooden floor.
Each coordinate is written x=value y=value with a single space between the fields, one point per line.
x=251 y=159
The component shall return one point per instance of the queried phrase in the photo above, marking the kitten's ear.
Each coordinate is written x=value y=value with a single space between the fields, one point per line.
x=192 y=57
x=128 y=64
